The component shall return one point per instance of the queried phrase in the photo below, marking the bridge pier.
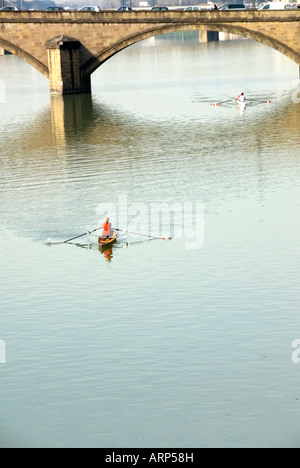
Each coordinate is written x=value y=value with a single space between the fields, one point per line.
x=64 y=67
x=69 y=63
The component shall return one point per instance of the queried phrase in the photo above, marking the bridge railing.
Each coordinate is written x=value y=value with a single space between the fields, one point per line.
x=147 y=15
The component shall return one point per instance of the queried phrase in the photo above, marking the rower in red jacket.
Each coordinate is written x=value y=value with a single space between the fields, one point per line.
x=107 y=230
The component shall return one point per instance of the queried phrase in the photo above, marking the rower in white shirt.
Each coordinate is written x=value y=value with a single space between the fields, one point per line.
x=242 y=98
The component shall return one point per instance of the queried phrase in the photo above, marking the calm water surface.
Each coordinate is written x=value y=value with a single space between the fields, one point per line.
x=154 y=344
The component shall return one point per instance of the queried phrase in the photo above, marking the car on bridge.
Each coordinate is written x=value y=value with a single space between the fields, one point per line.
x=55 y=8
x=192 y=8
x=233 y=6
x=274 y=6
x=9 y=8
x=90 y=8
x=159 y=8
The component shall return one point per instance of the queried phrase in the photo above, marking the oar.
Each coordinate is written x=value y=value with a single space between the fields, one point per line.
x=259 y=100
x=144 y=235
x=81 y=235
x=216 y=104
x=263 y=101
x=73 y=238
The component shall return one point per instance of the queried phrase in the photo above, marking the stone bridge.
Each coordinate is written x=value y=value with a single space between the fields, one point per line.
x=67 y=47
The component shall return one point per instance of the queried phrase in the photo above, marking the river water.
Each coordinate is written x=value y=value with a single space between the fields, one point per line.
x=154 y=343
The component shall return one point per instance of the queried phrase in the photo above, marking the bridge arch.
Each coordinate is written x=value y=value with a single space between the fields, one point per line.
x=94 y=63
x=15 y=50
x=84 y=41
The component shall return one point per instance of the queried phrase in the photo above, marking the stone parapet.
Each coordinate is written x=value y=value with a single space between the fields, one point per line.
x=67 y=47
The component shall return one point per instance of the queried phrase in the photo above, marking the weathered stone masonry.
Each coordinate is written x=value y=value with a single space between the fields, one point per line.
x=67 y=47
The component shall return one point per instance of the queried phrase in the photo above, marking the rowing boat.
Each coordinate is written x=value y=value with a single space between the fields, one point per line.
x=107 y=241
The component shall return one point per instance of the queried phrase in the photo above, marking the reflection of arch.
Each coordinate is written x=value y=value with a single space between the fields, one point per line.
x=25 y=56
x=95 y=62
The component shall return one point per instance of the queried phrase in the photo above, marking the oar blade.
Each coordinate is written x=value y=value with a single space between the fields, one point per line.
x=49 y=243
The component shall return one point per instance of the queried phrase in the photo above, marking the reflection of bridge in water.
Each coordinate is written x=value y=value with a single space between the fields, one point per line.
x=78 y=140
x=76 y=120
x=67 y=47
